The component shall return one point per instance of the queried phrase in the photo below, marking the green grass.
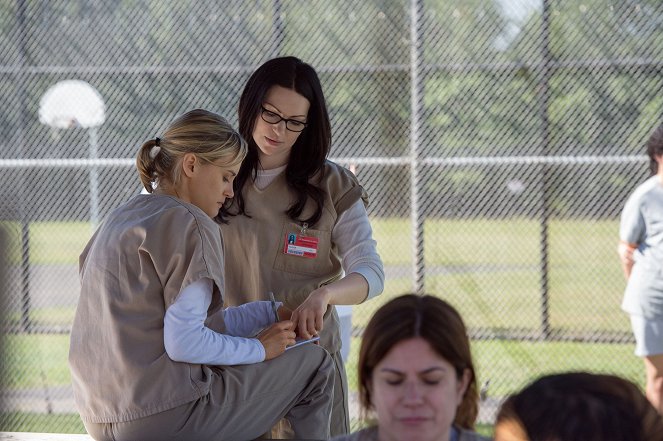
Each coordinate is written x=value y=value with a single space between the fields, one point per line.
x=50 y=242
x=35 y=361
x=71 y=423
x=509 y=365
x=51 y=316
x=447 y=242
x=488 y=269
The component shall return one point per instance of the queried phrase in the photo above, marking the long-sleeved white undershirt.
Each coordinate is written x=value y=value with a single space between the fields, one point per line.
x=187 y=339
x=352 y=234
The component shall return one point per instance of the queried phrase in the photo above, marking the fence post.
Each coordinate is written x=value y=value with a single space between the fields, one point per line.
x=26 y=324
x=416 y=103
x=4 y=303
x=544 y=98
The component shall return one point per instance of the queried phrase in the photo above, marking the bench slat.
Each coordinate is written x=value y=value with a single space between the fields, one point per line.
x=31 y=436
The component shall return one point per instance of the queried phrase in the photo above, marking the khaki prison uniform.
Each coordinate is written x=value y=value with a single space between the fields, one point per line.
x=125 y=385
x=257 y=264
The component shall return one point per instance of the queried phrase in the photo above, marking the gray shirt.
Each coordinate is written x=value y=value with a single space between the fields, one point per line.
x=371 y=434
x=642 y=224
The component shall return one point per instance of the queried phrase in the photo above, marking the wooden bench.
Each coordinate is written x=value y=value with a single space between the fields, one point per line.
x=31 y=436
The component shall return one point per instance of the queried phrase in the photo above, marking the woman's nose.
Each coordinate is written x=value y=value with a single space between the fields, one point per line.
x=279 y=127
x=412 y=394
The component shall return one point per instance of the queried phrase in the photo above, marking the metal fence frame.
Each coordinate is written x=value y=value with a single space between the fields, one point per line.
x=416 y=160
x=417 y=70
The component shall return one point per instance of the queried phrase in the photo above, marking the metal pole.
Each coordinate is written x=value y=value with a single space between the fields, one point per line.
x=416 y=104
x=94 y=177
x=4 y=280
x=544 y=99
x=26 y=323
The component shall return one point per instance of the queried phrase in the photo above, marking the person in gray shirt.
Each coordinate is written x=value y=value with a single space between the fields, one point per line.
x=415 y=373
x=641 y=252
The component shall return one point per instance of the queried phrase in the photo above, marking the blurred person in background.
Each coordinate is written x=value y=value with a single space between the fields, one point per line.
x=641 y=252
x=144 y=365
x=297 y=225
x=578 y=406
x=416 y=374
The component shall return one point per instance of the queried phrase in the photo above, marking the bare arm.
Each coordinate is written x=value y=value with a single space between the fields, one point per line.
x=349 y=290
x=361 y=263
x=625 y=251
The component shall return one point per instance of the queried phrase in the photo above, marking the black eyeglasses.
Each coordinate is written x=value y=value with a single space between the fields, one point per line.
x=274 y=118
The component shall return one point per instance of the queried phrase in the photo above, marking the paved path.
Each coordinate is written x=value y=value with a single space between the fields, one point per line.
x=57 y=285
x=50 y=285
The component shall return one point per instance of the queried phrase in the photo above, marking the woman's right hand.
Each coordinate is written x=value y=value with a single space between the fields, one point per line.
x=625 y=251
x=276 y=337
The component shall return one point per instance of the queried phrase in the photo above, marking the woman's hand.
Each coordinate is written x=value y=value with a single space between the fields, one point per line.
x=307 y=317
x=276 y=337
x=625 y=251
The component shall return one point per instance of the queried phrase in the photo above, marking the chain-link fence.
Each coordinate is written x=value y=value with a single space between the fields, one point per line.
x=497 y=139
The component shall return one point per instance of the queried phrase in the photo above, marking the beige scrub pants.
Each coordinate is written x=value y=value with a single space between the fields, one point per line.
x=340 y=416
x=339 y=423
x=244 y=402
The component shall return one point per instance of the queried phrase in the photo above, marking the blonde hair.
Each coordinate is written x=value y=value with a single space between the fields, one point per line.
x=206 y=134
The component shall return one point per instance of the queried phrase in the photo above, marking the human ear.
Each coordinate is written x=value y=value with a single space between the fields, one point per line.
x=189 y=164
x=463 y=383
x=369 y=392
x=510 y=430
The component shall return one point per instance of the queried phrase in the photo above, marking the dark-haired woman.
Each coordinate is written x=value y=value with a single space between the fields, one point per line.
x=416 y=374
x=641 y=252
x=297 y=225
x=578 y=406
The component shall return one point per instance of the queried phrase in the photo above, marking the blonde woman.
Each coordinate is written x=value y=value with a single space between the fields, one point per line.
x=144 y=363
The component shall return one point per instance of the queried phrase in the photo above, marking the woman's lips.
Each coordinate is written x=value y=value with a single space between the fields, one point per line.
x=413 y=420
x=272 y=141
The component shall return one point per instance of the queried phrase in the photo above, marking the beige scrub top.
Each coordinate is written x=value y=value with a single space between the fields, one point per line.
x=257 y=262
x=131 y=271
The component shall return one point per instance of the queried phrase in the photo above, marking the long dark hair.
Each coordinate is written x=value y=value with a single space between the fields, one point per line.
x=655 y=148
x=431 y=319
x=309 y=152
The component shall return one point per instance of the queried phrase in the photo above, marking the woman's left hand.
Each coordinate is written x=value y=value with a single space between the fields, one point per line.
x=307 y=317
